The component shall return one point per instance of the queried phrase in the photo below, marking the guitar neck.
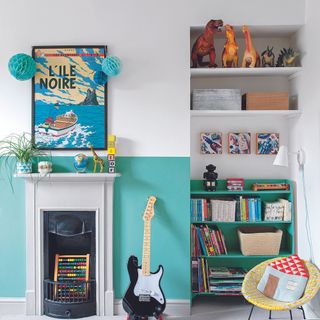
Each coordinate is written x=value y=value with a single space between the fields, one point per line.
x=146 y=249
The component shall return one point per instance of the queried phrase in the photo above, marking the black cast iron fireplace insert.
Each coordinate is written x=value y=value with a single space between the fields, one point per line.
x=69 y=233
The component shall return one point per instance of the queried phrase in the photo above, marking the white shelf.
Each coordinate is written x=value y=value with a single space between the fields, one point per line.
x=245 y=72
x=243 y=113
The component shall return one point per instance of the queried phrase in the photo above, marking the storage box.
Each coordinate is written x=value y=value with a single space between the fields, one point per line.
x=260 y=241
x=216 y=99
x=265 y=101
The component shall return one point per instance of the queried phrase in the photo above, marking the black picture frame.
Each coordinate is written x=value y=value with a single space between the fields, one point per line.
x=33 y=95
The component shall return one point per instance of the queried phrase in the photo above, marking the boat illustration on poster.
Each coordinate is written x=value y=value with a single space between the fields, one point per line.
x=69 y=107
x=63 y=124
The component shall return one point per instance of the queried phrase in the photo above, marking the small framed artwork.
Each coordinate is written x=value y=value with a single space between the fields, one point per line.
x=211 y=143
x=69 y=97
x=267 y=143
x=239 y=142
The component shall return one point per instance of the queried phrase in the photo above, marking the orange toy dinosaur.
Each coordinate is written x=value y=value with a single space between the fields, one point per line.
x=230 y=51
x=251 y=58
x=204 y=45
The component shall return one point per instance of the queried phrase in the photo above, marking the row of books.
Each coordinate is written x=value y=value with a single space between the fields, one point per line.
x=239 y=209
x=216 y=280
x=207 y=241
x=279 y=210
x=226 y=210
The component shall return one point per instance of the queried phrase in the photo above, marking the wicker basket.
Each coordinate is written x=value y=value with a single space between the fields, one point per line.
x=260 y=241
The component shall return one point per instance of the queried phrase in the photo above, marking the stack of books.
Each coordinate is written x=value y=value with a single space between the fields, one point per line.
x=225 y=281
x=199 y=210
x=207 y=241
x=235 y=184
x=280 y=210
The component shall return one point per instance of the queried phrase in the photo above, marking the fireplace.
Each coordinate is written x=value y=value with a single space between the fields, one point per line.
x=69 y=258
x=69 y=214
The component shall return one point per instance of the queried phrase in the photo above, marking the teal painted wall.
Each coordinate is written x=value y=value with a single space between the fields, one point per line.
x=165 y=177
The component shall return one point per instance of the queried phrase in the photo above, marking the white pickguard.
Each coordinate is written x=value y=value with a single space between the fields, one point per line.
x=149 y=285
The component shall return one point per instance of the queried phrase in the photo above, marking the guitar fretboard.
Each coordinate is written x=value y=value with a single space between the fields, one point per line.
x=146 y=249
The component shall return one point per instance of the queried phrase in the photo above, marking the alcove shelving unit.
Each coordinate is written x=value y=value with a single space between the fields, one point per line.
x=248 y=80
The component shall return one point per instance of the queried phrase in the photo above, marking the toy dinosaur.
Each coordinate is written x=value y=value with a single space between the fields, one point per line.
x=287 y=58
x=230 y=51
x=96 y=160
x=268 y=57
x=251 y=58
x=204 y=45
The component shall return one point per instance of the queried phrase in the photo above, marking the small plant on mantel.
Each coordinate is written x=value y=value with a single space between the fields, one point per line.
x=19 y=150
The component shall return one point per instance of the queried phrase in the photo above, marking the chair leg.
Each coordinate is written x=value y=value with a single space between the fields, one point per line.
x=303 y=313
x=291 y=318
x=270 y=314
x=251 y=312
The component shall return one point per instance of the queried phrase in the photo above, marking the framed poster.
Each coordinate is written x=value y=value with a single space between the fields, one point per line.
x=267 y=143
x=69 y=100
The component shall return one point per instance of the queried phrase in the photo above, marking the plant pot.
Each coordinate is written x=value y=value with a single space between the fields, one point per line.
x=24 y=167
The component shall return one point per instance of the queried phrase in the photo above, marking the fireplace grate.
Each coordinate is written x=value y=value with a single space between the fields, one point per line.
x=70 y=292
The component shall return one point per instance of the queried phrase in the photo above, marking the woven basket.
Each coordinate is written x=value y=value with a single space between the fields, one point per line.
x=260 y=241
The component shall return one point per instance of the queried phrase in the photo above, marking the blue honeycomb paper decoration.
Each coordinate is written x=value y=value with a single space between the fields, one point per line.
x=100 y=78
x=111 y=66
x=22 y=66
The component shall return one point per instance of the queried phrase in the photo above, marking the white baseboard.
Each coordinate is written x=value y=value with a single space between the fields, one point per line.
x=174 y=308
x=17 y=306
x=12 y=306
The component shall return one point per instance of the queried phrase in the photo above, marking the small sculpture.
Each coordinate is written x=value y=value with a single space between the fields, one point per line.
x=204 y=45
x=268 y=57
x=96 y=160
x=287 y=58
x=210 y=178
x=251 y=58
x=230 y=51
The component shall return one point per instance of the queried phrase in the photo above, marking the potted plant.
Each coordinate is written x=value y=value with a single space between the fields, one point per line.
x=22 y=149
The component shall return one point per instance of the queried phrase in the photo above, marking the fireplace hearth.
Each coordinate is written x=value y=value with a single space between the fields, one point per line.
x=69 y=283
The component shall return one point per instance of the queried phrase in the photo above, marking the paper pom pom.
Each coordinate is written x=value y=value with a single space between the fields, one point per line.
x=22 y=66
x=100 y=78
x=111 y=66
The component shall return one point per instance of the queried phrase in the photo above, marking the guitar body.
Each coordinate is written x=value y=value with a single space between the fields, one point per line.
x=144 y=296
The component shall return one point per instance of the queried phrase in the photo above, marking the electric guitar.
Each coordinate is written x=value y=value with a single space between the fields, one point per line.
x=144 y=296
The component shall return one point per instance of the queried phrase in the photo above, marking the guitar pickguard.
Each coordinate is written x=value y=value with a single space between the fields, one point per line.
x=149 y=286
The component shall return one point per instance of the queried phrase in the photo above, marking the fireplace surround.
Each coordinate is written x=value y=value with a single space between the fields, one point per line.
x=66 y=194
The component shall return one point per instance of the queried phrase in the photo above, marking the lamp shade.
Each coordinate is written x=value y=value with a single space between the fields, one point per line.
x=282 y=157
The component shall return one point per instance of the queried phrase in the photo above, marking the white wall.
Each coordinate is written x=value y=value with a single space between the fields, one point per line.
x=307 y=134
x=149 y=102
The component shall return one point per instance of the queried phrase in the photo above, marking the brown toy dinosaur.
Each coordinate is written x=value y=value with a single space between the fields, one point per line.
x=204 y=45
x=230 y=51
x=251 y=58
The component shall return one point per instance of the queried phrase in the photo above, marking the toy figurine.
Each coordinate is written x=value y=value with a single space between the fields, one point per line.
x=111 y=153
x=230 y=51
x=268 y=57
x=204 y=45
x=287 y=58
x=96 y=160
x=251 y=58
x=210 y=177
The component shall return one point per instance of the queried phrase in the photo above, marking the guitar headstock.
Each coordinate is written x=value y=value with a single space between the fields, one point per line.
x=149 y=211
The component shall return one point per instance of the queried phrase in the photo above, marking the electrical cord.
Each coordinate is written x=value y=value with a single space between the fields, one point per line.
x=307 y=221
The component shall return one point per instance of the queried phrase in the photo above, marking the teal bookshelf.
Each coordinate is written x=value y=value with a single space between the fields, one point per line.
x=234 y=258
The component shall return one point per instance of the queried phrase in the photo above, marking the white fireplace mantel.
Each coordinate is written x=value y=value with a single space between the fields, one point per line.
x=69 y=192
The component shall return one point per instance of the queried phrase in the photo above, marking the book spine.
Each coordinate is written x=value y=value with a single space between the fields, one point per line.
x=204 y=250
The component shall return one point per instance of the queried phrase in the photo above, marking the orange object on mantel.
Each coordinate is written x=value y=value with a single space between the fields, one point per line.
x=265 y=101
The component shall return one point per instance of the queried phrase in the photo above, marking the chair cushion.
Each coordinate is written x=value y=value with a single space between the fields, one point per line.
x=284 y=279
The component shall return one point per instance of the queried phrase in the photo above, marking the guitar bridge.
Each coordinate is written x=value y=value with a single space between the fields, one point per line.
x=144 y=298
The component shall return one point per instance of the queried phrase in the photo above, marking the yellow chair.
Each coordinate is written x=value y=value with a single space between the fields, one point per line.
x=256 y=298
